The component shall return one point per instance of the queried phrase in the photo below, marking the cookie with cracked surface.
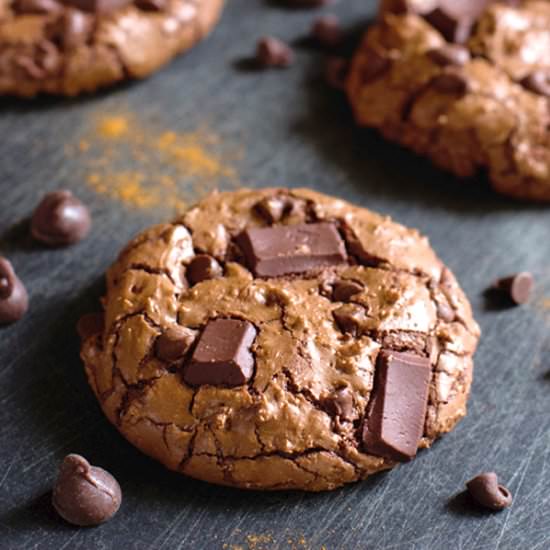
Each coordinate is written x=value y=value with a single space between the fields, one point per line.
x=327 y=344
x=70 y=47
x=466 y=84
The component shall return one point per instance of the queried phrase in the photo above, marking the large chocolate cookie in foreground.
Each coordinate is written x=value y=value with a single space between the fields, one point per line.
x=75 y=46
x=276 y=339
x=465 y=83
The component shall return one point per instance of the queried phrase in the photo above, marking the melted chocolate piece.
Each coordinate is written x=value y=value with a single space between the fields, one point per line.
x=288 y=249
x=222 y=356
x=343 y=290
x=450 y=54
x=397 y=409
x=174 y=343
x=451 y=83
x=98 y=6
x=538 y=82
x=202 y=268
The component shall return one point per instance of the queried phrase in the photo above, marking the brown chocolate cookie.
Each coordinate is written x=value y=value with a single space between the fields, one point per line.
x=466 y=84
x=328 y=343
x=76 y=46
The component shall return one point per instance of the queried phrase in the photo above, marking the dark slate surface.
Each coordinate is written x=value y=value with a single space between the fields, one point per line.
x=294 y=132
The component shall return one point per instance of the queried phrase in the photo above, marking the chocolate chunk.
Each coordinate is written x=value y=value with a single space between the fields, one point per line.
x=349 y=318
x=518 y=288
x=451 y=83
x=336 y=72
x=272 y=52
x=98 y=6
x=376 y=64
x=222 y=356
x=85 y=495
x=273 y=209
x=71 y=29
x=456 y=19
x=486 y=491
x=327 y=30
x=60 y=219
x=283 y=250
x=202 y=268
x=14 y=300
x=343 y=290
x=174 y=343
x=397 y=409
x=37 y=7
x=340 y=404
x=89 y=325
x=538 y=82
x=450 y=54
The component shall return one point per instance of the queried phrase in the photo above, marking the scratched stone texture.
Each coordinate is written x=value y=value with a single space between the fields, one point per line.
x=292 y=131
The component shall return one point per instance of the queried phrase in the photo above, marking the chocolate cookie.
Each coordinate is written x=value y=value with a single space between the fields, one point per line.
x=70 y=47
x=466 y=83
x=320 y=344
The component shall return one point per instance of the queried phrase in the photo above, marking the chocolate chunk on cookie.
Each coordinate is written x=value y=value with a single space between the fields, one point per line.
x=465 y=83
x=316 y=356
x=74 y=47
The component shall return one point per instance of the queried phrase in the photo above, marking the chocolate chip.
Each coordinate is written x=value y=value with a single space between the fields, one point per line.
x=37 y=7
x=85 y=495
x=60 y=219
x=272 y=52
x=374 y=66
x=174 y=343
x=397 y=409
x=71 y=29
x=14 y=300
x=151 y=5
x=273 y=209
x=343 y=290
x=287 y=249
x=538 y=82
x=98 y=6
x=349 y=318
x=450 y=54
x=340 y=404
x=518 y=288
x=222 y=356
x=454 y=19
x=486 y=491
x=451 y=83
x=445 y=312
x=336 y=72
x=327 y=31
x=202 y=268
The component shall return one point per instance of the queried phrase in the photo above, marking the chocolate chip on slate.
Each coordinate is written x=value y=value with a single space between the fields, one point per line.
x=518 y=288
x=287 y=249
x=340 y=404
x=83 y=494
x=174 y=343
x=37 y=7
x=222 y=356
x=374 y=66
x=343 y=290
x=450 y=54
x=397 y=409
x=98 y=6
x=327 y=30
x=538 y=82
x=272 y=52
x=60 y=219
x=14 y=300
x=273 y=209
x=451 y=83
x=202 y=268
x=349 y=318
x=336 y=72
x=454 y=19
x=486 y=491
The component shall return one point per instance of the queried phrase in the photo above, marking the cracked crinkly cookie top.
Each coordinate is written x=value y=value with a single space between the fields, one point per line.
x=277 y=339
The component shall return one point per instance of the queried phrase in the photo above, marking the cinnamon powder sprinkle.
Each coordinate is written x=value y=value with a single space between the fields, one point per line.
x=143 y=166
